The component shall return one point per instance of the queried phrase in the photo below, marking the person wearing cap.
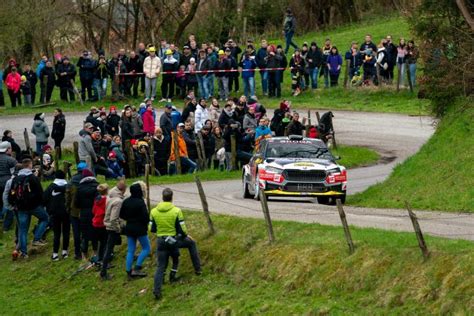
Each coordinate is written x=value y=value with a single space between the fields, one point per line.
x=74 y=212
x=25 y=88
x=87 y=68
x=223 y=66
x=54 y=198
x=186 y=56
x=166 y=124
x=47 y=82
x=233 y=76
x=32 y=79
x=182 y=150
x=289 y=27
x=13 y=83
x=86 y=149
x=170 y=64
x=66 y=72
x=41 y=131
x=151 y=69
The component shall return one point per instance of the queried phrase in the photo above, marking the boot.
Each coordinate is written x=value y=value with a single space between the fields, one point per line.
x=173 y=277
x=138 y=274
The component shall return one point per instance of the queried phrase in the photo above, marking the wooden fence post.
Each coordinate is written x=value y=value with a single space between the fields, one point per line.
x=205 y=206
x=57 y=154
x=177 y=161
x=203 y=151
x=200 y=161
x=27 y=142
x=266 y=215
x=419 y=234
x=347 y=232
x=147 y=182
x=407 y=65
x=66 y=168
x=346 y=73
x=318 y=117
x=130 y=159
x=233 y=148
x=75 y=146
x=152 y=156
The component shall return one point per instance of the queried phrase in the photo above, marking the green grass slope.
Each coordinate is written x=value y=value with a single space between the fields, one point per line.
x=439 y=177
x=369 y=99
x=308 y=271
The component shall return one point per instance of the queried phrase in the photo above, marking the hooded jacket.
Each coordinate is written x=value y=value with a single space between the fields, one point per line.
x=85 y=196
x=13 y=82
x=168 y=220
x=200 y=118
x=71 y=191
x=112 y=219
x=98 y=211
x=54 y=198
x=86 y=149
x=40 y=129
x=148 y=122
x=36 y=195
x=135 y=213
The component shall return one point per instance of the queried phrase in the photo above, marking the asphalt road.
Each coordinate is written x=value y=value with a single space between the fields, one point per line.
x=394 y=136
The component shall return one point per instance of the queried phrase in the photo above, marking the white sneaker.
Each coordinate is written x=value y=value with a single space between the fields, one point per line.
x=163 y=100
x=55 y=257
x=65 y=254
x=169 y=100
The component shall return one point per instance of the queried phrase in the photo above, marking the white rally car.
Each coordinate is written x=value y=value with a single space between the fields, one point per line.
x=295 y=166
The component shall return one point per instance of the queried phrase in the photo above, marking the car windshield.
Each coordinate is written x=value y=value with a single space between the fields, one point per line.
x=303 y=149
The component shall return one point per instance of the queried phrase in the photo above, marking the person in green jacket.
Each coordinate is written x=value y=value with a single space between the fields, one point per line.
x=167 y=221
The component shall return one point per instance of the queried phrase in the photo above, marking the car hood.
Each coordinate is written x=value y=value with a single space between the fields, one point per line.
x=300 y=163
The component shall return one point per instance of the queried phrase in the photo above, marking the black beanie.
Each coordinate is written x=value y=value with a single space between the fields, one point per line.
x=59 y=174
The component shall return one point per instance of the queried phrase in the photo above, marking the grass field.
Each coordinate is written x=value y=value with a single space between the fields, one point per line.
x=308 y=271
x=439 y=177
x=370 y=99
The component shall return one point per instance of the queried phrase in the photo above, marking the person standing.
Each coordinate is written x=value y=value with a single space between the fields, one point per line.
x=170 y=64
x=261 y=60
x=273 y=60
x=203 y=65
x=135 y=213
x=41 y=131
x=2 y=98
x=201 y=115
x=32 y=79
x=133 y=67
x=13 y=83
x=87 y=68
x=142 y=53
x=28 y=203
x=47 y=82
x=248 y=65
x=7 y=166
x=168 y=222
x=151 y=70
x=55 y=201
x=113 y=224
x=101 y=74
x=412 y=57
x=391 y=50
x=74 y=211
x=66 y=73
x=161 y=146
x=223 y=65
x=334 y=66
x=314 y=59
x=98 y=214
x=355 y=60
x=25 y=90
x=59 y=129
x=289 y=27
x=326 y=51
x=166 y=124
x=401 y=53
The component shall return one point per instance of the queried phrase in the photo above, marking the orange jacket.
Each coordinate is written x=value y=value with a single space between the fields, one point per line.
x=183 y=150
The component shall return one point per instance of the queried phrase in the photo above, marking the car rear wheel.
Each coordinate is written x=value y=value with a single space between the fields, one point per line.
x=246 y=193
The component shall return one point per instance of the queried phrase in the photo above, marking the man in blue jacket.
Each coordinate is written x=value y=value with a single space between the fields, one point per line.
x=248 y=65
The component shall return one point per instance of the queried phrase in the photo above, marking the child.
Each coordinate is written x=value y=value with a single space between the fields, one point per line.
x=115 y=170
x=48 y=170
x=181 y=81
x=116 y=147
x=113 y=121
x=141 y=157
x=98 y=212
x=55 y=202
x=26 y=90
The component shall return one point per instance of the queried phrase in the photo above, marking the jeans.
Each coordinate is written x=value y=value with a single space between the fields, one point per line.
x=150 y=87
x=210 y=84
x=326 y=76
x=27 y=99
x=100 y=85
x=185 y=162
x=223 y=83
x=131 y=246
x=24 y=219
x=164 y=252
x=7 y=216
x=289 y=41
x=313 y=73
x=203 y=86
x=76 y=234
x=249 y=86
x=264 y=76
x=193 y=251
x=412 y=74
x=113 y=238
x=401 y=67
x=39 y=147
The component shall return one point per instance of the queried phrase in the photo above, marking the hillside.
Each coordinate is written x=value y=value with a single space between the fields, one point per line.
x=440 y=176
x=308 y=271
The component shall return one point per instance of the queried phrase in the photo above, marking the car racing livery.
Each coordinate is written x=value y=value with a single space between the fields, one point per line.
x=294 y=166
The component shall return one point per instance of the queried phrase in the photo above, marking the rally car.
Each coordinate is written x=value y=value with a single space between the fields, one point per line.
x=295 y=166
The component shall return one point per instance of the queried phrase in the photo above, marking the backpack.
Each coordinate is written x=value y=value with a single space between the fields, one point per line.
x=20 y=192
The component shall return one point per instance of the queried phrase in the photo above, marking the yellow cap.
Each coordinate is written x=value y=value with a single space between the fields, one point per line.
x=23 y=78
x=169 y=52
x=221 y=52
x=152 y=49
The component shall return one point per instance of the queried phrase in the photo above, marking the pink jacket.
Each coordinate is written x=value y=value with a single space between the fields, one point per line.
x=13 y=82
x=148 y=122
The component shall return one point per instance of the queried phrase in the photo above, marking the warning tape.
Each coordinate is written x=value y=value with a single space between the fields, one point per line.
x=208 y=71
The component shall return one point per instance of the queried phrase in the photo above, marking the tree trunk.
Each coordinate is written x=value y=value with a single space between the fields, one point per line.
x=136 y=16
x=465 y=12
x=185 y=22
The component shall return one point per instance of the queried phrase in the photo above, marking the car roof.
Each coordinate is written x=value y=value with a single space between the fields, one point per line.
x=287 y=139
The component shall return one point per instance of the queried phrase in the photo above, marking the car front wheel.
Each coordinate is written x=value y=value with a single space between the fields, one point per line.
x=246 y=193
